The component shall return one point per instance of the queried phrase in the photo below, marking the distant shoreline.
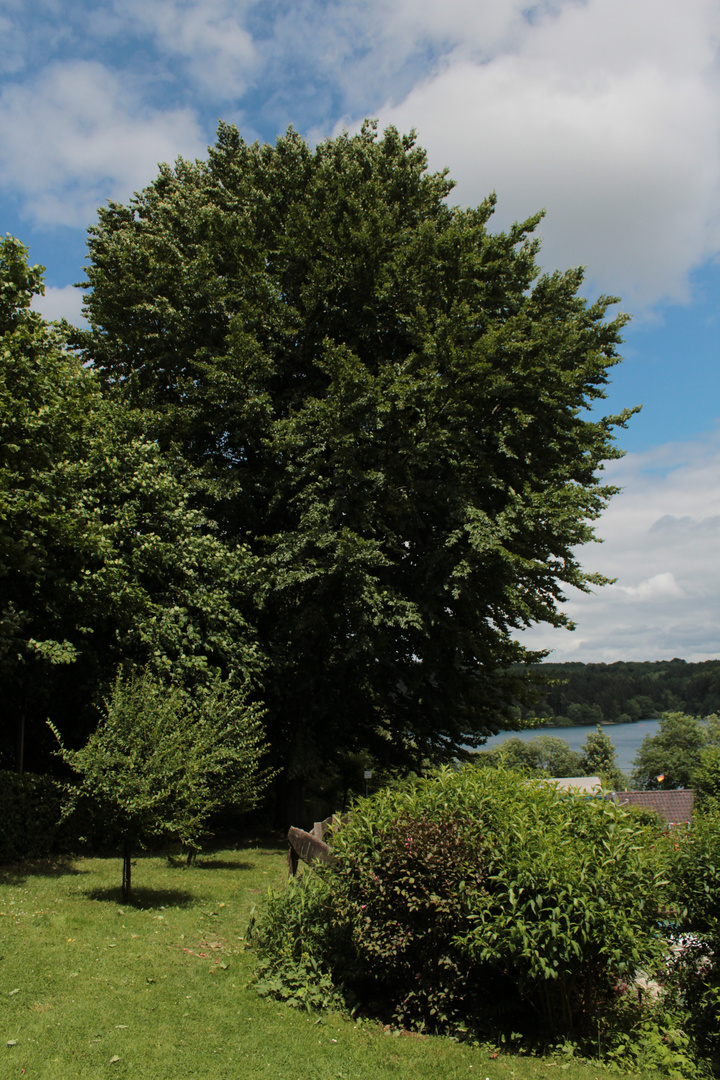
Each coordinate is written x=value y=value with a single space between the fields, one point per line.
x=626 y=737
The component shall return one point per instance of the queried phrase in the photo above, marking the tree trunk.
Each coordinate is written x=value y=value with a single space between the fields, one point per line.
x=21 y=744
x=127 y=871
x=290 y=801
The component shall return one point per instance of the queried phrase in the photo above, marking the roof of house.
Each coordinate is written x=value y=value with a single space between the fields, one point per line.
x=582 y=785
x=673 y=806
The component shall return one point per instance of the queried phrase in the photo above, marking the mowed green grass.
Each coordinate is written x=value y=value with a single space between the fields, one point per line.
x=91 y=987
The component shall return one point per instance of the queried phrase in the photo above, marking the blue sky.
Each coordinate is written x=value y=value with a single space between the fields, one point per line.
x=604 y=112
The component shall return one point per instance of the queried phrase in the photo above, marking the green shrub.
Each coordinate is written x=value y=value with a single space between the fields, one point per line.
x=30 y=808
x=400 y=897
x=572 y=907
x=291 y=935
x=456 y=904
x=657 y=1042
x=694 y=977
x=33 y=825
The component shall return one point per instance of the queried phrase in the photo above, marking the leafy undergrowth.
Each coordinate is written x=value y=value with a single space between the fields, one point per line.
x=90 y=987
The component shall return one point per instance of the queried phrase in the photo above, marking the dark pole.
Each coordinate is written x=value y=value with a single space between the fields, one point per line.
x=21 y=744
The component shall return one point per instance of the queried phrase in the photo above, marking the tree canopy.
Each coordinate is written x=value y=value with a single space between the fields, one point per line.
x=669 y=758
x=599 y=758
x=106 y=558
x=543 y=754
x=389 y=405
x=161 y=761
x=551 y=756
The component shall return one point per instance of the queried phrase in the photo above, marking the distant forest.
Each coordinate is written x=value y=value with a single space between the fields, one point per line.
x=624 y=692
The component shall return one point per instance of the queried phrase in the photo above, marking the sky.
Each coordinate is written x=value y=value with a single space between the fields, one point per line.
x=604 y=113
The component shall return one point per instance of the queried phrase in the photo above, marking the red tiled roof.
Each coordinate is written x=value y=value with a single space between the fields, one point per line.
x=673 y=806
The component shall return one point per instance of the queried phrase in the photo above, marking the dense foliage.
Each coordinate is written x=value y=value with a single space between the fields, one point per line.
x=106 y=558
x=694 y=870
x=547 y=755
x=706 y=776
x=543 y=754
x=30 y=808
x=672 y=757
x=36 y=826
x=599 y=758
x=161 y=762
x=389 y=406
x=626 y=691
x=475 y=901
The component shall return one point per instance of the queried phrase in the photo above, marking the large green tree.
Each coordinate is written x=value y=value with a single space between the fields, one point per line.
x=669 y=759
x=705 y=778
x=105 y=556
x=390 y=405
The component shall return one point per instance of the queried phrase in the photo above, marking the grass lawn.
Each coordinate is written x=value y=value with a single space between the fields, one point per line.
x=90 y=987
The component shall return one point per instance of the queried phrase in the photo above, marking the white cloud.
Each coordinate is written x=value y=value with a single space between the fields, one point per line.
x=61 y=303
x=374 y=51
x=78 y=135
x=658 y=587
x=605 y=113
x=662 y=536
x=216 y=48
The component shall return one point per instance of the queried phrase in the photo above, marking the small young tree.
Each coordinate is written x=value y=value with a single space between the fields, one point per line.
x=162 y=762
x=598 y=758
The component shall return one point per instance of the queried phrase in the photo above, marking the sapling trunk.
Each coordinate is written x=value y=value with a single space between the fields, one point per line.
x=127 y=871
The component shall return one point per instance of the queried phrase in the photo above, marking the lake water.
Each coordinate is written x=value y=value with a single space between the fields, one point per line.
x=626 y=738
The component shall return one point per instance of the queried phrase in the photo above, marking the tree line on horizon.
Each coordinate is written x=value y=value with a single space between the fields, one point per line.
x=575 y=694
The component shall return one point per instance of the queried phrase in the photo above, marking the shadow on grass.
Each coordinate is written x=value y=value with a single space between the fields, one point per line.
x=224 y=864
x=55 y=867
x=145 y=898
x=180 y=862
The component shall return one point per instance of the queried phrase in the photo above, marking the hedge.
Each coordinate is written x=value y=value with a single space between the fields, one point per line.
x=30 y=807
